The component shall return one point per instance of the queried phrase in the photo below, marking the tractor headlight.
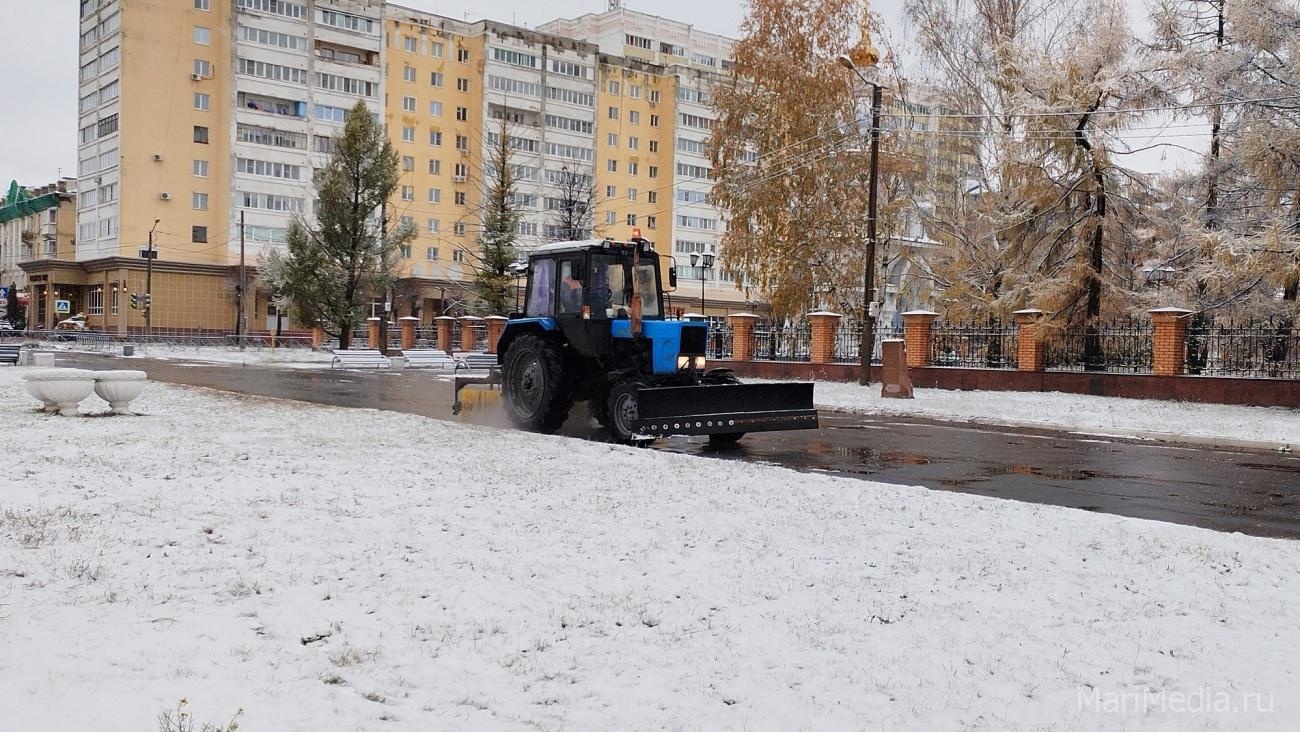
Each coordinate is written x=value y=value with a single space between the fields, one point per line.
x=688 y=362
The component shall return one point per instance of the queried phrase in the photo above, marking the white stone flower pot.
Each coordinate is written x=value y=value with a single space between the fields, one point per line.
x=118 y=388
x=62 y=388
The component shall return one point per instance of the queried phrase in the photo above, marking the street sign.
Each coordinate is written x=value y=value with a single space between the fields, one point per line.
x=4 y=301
x=62 y=306
x=4 y=293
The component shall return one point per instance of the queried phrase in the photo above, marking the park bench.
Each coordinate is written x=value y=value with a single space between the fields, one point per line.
x=430 y=358
x=9 y=353
x=477 y=360
x=359 y=359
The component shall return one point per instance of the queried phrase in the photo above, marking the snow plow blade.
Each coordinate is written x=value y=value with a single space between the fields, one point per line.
x=725 y=408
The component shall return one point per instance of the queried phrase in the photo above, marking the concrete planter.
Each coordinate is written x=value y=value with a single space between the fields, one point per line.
x=60 y=389
x=118 y=388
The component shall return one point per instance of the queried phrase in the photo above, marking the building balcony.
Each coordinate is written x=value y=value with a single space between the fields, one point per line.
x=277 y=106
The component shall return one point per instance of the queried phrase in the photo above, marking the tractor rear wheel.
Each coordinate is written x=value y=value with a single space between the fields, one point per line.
x=535 y=390
x=621 y=411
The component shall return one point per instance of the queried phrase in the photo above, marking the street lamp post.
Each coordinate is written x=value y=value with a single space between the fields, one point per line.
x=702 y=262
x=869 y=275
x=148 y=286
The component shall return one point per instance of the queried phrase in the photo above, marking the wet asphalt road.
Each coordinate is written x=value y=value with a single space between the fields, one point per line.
x=1228 y=490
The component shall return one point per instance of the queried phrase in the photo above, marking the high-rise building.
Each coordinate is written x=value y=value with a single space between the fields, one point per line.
x=197 y=115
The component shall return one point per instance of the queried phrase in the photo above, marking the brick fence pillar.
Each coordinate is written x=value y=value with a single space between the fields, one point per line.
x=373 y=334
x=467 y=323
x=444 y=323
x=495 y=324
x=1170 y=346
x=916 y=333
x=408 y=331
x=1030 y=354
x=824 y=325
x=742 y=335
x=317 y=337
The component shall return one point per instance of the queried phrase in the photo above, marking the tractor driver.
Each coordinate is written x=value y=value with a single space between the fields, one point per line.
x=570 y=293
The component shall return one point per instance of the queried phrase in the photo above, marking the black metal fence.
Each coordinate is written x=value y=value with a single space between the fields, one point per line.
x=1269 y=349
x=1121 y=346
x=782 y=342
x=989 y=345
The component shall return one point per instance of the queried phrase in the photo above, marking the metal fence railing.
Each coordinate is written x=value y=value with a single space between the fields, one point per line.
x=783 y=342
x=1121 y=346
x=990 y=345
x=100 y=340
x=1269 y=349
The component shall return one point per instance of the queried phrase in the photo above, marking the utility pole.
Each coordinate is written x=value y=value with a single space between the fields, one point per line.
x=241 y=323
x=148 y=286
x=869 y=276
x=383 y=317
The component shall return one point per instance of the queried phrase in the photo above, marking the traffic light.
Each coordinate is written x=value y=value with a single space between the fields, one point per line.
x=135 y=301
x=148 y=301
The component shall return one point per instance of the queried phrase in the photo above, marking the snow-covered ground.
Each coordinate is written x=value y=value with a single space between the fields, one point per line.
x=279 y=357
x=325 y=568
x=1274 y=426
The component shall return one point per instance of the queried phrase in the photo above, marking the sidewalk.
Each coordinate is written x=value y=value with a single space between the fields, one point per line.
x=1272 y=428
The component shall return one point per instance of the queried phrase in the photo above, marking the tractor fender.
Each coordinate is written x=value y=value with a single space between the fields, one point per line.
x=518 y=327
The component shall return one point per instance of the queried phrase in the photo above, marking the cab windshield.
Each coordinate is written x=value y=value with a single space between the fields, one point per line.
x=611 y=288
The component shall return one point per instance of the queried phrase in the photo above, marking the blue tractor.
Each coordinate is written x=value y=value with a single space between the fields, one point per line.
x=594 y=329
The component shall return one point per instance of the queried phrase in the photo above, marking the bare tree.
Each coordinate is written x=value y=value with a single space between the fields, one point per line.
x=572 y=204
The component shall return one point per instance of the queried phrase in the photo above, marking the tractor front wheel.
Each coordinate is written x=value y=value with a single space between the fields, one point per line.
x=622 y=411
x=535 y=390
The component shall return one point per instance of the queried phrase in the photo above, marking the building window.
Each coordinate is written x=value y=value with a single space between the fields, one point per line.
x=650 y=222
x=654 y=97
x=202 y=36
x=433 y=226
x=654 y=120
x=204 y=5
x=634 y=117
x=651 y=197
x=631 y=194
x=406 y=251
x=199 y=234
x=408 y=105
x=435 y=167
x=200 y=168
x=609 y=217
x=113 y=301
x=612 y=166
x=462 y=142
x=408 y=193
x=408 y=73
x=653 y=171
x=633 y=168
x=462 y=114
x=633 y=143
x=200 y=134
x=435 y=109
x=200 y=202
x=201 y=101
x=96 y=300
x=203 y=68
x=460 y=198
x=462 y=84
x=613 y=112
x=611 y=191
x=435 y=49
x=631 y=219
x=435 y=79
x=634 y=91
x=435 y=195
x=654 y=146
x=462 y=55
x=458 y=229
x=408 y=134
x=431 y=253
x=410 y=44
x=408 y=163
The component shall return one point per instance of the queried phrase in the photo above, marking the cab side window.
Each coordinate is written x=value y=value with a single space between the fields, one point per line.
x=541 y=289
x=570 y=288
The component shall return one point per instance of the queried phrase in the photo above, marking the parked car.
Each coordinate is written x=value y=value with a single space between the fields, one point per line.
x=8 y=329
x=76 y=322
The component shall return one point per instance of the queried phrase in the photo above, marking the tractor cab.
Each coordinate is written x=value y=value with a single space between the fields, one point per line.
x=594 y=280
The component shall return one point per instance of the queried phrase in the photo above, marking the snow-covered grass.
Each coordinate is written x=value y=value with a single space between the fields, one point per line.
x=1276 y=426
x=325 y=568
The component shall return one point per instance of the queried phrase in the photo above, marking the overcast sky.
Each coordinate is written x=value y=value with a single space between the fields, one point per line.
x=38 y=124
